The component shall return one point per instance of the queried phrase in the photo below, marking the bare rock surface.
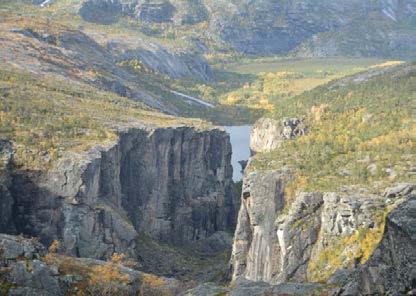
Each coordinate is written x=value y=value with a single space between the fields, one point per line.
x=172 y=184
x=269 y=134
x=6 y=199
x=276 y=239
x=26 y=268
x=392 y=268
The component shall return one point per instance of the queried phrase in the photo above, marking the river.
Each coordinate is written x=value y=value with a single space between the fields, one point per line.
x=240 y=142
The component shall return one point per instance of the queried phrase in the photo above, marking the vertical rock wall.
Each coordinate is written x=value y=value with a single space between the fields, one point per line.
x=274 y=236
x=309 y=236
x=172 y=184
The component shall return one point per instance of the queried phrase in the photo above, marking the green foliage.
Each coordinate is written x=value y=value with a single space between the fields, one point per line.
x=46 y=117
x=161 y=86
x=360 y=133
x=278 y=79
x=345 y=252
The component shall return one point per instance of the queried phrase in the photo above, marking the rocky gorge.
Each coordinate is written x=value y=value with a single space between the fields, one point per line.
x=171 y=185
x=106 y=190
x=174 y=185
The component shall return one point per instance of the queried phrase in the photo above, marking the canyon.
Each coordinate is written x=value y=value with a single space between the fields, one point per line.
x=170 y=185
x=134 y=161
x=174 y=185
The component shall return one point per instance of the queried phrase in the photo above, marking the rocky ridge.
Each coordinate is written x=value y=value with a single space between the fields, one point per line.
x=268 y=134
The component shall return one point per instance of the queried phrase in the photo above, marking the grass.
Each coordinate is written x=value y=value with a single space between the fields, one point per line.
x=278 y=79
x=105 y=278
x=346 y=252
x=45 y=117
x=91 y=278
x=255 y=86
x=370 y=124
x=308 y=67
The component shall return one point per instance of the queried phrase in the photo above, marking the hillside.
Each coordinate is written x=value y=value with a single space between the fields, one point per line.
x=276 y=80
x=361 y=131
x=331 y=168
x=182 y=64
x=261 y=27
x=46 y=116
x=119 y=60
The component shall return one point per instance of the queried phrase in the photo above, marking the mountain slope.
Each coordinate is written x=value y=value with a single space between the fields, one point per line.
x=270 y=27
x=361 y=130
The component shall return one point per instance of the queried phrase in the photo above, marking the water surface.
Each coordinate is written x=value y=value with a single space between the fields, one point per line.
x=240 y=142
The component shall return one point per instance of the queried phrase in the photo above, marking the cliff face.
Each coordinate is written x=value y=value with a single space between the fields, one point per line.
x=307 y=237
x=274 y=239
x=392 y=268
x=389 y=271
x=172 y=184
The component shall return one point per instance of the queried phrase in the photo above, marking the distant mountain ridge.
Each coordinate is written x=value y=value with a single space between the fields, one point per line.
x=306 y=27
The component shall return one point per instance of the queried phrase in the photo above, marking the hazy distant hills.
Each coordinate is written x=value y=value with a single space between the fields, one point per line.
x=307 y=27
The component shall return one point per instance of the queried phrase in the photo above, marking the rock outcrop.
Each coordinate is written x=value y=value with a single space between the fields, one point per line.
x=392 y=268
x=171 y=184
x=243 y=288
x=274 y=236
x=26 y=268
x=268 y=134
x=308 y=237
x=154 y=11
x=161 y=60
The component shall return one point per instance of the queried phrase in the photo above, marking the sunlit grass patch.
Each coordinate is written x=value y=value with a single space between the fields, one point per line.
x=45 y=117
